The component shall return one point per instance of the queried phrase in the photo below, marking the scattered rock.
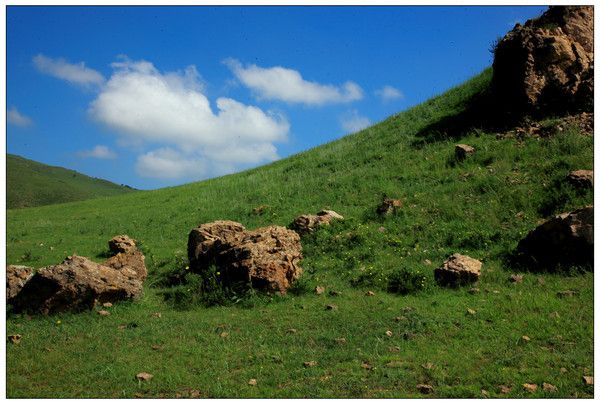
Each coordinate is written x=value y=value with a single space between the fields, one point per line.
x=474 y=291
x=310 y=364
x=471 y=312
x=425 y=388
x=224 y=334
x=144 y=377
x=157 y=315
x=308 y=223
x=581 y=178
x=370 y=293
x=252 y=382
x=259 y=210
x=381 y=229
x=366 y=366
x=565 y=240
x=427 y=262
x=319 y=290
x=394 y=349
x=400 y=318
x=292 y=331
x=563 y=370
x=462 y=151
x=14 y=338
x=16 y=277
x=588 y=380
x=428 y=366
x=122 y=244
x=107 y=304
x=525 y=338
x=565 y=293
x=389 y=333
x=504 y=389
x=334 y=293
x=485 y=393
x=267 y=258
x=76 y=284
x=516 y=278
x=546 y=65
x=389 y=205
x=549 y=388
x=331 y=307
x=340 y=341
x=458 y=270
x=157 y=347
x=530 y=387
x=103 y=313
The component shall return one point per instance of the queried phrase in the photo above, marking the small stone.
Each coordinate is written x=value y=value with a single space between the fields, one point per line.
x=334 y=293
x=144 y=376
x=319 y=290
x=389 y=333
x=122 y=326
x=428 y=366
x=107 y=304
x=471 y=312
x=588 y=380
x=157 y=315
x=485 y=393
x=565 y=293
x=474 y=291
x=331 y=307
x=516 y=278
x=366 y=366
x=157 y=347
x=103 y=313
x=194 y=393
x=310 y=364
x=427 y=262
x=15 y=339
x=381 y=229
x=224 y=334
x=400 y=318
x=291 y=331
x=496 y=292
x=563 y=370
x=252 y=382
x=461 y=151
x=554 y=314
x=370 y=293
x=394 y=349
x=425 y=388
x=340 y=341
x=504 y=389
x=525 y=338
x=549 y=387
x=530 y=387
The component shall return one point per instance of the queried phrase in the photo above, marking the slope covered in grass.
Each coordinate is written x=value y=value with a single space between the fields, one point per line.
x=29 y=183
x=480 y=207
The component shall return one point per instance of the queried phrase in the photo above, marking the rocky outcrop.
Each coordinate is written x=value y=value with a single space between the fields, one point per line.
x=458 y=270
x=389 y=205
x=267 y=258
x=308 y=223
x=565 y=240
x=547 y=65
x=74 y=285
x=127 y=256
x=581 y=178
x=461 y=151
x=16 y=277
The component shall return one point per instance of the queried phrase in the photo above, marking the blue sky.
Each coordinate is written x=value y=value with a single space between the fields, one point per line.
x=159 y=96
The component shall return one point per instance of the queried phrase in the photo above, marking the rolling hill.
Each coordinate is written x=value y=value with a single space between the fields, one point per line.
x=460 y=342
x=29 y=183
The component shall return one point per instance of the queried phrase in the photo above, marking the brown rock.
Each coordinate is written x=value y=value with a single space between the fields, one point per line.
x=252 y=382
x=14 y=339
x=546 y=65
x=103 y=313
x=366 y=366
x=581 y=178
x=474 y=291
x=525 y=338
x=370 y=293
x=565 y=240
x=389 y=205
x=530 y=387
x=122 y=244
x=550 y=388
x=340 y=341
x=425 y=388
x=319 y=290
x=107 y=304
x=516 y=278
x=588 y=380
x=133 y=260
x=462 y=151
x=310 y=364
x=207 y=241
x=76 y=284
x=389 y=333
x=143 y=376
x=471 y=312
x=16 y=277
x=565 y=293
x=331 y=307
x=308 y=223
x=504 y=389
x=458 y=270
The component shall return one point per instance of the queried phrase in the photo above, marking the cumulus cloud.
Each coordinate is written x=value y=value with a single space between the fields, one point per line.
x=389 y=93
x=76 y=73
x=14 y=117
x=146 y=106
x=280 y=83
x=98 y=152
x=352 y=121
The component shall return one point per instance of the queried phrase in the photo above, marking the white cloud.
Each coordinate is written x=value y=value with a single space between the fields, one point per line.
x=14 y=117
x=146 y=106
x=389 y=93
x=98 y=152
x=353 y=122
x=76 y=73
x=280 y=83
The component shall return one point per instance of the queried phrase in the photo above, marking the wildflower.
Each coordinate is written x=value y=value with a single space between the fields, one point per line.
x=58 y=321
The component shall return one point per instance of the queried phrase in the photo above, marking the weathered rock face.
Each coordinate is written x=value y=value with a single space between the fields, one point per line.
x=308 y=223
x=268 y=257
x=126 y=255
x=16 y=277
x=461 y=151
x=458 y=270
x=388 y=206
x=547 y=65
x=76 y=284
x=121 y=244
x=581 y=178
x=565 y=240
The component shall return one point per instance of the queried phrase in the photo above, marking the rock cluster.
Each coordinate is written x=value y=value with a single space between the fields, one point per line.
x=581 y=178
x=308 y=223
x=389 y=205
x=462 y=151
x=78 y=283
x=458 y=270
x=566 y=239
x=547 y=65
x=267 y=258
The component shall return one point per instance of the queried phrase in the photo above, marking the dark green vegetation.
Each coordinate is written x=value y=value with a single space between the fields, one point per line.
x=480 y=207
x=29 y=183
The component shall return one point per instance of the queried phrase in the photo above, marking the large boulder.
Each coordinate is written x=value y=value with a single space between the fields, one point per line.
x=16 y=277
x=565 y=240
x=458 y=270
x=308 y=223
x=267 y=258
x=76 y=284
x=547 y=65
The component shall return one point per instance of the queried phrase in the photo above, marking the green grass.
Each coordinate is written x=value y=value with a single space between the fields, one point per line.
x=29 y=183
x=481 y=207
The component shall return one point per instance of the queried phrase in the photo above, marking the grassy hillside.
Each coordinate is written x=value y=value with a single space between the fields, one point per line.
x=29 y=183
x=481 y=207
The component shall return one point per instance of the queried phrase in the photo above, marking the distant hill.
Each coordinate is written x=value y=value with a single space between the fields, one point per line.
x=29 y=183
